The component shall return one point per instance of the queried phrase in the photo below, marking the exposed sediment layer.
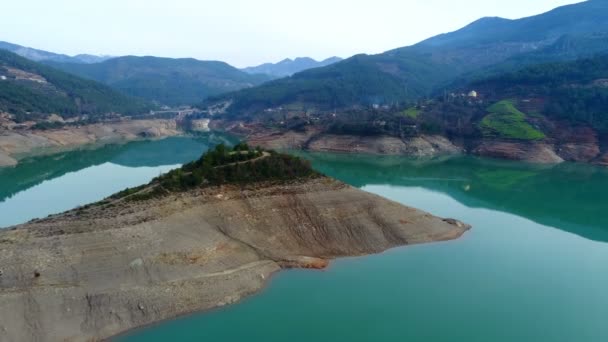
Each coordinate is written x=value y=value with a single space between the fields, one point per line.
x=14 y=144
x=534 y=152
x=579 y=149
x=94 y=272
x=422 y=146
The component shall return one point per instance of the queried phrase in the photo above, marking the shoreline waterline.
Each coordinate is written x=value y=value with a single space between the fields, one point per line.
x=519 y=258
x=268 y=283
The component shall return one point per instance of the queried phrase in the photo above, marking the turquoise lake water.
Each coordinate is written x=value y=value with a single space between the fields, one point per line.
x=533 y=268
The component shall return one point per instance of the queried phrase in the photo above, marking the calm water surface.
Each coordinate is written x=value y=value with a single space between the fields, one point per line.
x=534 y=267
x=41 y=186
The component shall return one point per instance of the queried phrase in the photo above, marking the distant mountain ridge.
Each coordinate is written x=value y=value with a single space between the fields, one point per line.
x=288 y=67
x=46 y=56
x=409 y=73
x=542 y=29
x=168 y=81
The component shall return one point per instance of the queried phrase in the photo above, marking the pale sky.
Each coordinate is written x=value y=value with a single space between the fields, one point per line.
x=244 y=32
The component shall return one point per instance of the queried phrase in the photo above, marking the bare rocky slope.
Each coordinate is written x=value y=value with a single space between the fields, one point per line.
x=16 y=143
x=94 y=272
x=316 y=140
x=574 y=149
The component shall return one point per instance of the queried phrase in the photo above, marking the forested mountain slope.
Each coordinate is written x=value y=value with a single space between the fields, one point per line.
x=489 y=45
x=30 y=90
x=164 y=80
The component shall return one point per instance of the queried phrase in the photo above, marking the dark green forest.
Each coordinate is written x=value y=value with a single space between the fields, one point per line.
x=224 y=165
x=575 y=91
x=64 y=94
x=355 y=81
x=167 y=81
x=489 y=46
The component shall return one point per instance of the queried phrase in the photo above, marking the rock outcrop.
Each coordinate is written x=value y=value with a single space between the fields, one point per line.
x=422 y=146
x=94 y=272
x=535 y=152
x=6 y=160
x=313 y=140
x=576 y=145
x=545 y=152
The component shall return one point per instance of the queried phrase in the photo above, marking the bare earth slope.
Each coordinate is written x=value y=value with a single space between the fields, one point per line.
x=567 y=148
x=315 y=140
x=14 y=143
x=94 y=272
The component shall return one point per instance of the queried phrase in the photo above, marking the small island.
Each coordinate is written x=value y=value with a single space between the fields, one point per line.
x=202 y=236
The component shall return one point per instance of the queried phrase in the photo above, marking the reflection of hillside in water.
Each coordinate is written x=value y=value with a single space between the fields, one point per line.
x=570 y=197
x=171 y=151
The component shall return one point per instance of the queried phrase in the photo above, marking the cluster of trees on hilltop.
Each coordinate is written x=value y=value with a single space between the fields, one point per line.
x=222 y=165
x=64 y=94
x=240 y=164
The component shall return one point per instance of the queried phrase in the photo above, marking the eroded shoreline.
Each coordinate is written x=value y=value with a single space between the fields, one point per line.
x=96 y=272
x=582 y=149
x=15 y=145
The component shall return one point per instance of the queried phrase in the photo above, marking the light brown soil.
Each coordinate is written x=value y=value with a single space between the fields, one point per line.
x=524 y=151
x=92 y=273
x=577 y=144
x=15 y=144
x=313 y=140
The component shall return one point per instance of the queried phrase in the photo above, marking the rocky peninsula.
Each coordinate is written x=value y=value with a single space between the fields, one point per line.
x=203 y=236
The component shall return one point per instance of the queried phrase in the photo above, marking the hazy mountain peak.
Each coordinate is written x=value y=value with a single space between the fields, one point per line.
x=88 y=59
x=46 y=56
x=333 y=59
x=170 y=81
x=486 y=21
x=304 y=59
x=584 y=17
x=288 y=66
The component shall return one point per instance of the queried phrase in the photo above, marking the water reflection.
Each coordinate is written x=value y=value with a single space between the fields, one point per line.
x=570 y=197
x=171 y=151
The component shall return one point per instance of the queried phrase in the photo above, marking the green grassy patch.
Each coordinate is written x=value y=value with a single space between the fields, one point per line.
x=411 y=113
x=506 y=121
